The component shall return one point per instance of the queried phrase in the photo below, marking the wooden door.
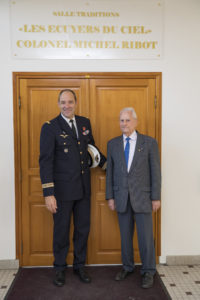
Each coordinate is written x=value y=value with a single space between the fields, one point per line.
x=100 y=97
x=107 y=98
x=39 y=104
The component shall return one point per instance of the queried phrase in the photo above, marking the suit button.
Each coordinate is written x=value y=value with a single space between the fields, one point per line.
x=82 y=172
x=82 y=162
x=81 y=152
x=64 y=143
x=79 y=143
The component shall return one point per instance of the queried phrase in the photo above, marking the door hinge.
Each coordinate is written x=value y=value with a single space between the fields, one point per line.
x=22 y=248
x=155 y=102
x=19 y=102
x=20 y=175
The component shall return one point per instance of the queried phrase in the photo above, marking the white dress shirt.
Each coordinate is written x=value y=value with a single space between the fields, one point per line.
x=132 y=141
x=69 y=123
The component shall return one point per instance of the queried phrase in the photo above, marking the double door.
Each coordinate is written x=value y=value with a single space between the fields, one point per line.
x=100 y=98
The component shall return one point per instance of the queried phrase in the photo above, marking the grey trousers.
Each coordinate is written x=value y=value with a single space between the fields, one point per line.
x=144 y=226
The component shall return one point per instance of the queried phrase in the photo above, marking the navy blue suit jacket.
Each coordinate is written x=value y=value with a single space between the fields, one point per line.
x=64 y=168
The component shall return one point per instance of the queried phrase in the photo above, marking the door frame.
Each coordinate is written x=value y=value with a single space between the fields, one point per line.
x=17 y=138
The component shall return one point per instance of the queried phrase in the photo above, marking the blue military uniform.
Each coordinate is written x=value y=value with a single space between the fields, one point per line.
x=65 y=173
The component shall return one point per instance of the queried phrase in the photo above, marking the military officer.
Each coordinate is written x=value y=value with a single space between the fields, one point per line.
x=65 y=177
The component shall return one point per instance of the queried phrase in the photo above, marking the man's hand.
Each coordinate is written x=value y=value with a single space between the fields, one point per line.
x=111 y=204
x=155 y=205
x=51 y=204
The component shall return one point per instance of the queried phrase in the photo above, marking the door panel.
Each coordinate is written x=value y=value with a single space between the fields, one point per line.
x=100 y=98
x=107 y=99
x=39 y=104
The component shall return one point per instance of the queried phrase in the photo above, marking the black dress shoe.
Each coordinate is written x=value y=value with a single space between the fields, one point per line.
x=59 y=279
x=122 y=275
x=83 y=276
x=147 y=280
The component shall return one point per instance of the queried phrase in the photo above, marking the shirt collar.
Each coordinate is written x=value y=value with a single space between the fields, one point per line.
x=133 y=136
x=67 y=119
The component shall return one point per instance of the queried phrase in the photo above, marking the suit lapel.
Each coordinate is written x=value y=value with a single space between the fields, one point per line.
x=78 y=124
x=121 y=153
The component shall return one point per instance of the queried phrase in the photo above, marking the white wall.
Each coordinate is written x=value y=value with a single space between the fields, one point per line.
x=180 y=66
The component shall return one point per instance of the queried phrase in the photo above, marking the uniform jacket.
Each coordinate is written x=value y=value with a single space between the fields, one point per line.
x=63 y=160
x=143 y=181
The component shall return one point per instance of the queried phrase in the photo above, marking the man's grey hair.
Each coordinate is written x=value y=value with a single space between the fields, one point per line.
x=129 y=109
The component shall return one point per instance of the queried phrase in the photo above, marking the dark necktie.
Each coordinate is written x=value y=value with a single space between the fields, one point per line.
x=126 y=150
x=73 y=128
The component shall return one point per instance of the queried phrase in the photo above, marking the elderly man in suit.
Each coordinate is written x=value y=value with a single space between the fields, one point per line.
x=133 y=184
x=65 y=176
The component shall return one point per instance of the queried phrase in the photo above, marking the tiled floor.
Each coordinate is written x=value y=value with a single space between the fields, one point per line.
x=6 y=278
x=182 y=282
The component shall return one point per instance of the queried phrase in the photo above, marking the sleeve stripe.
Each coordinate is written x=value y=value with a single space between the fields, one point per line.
x=47 y=185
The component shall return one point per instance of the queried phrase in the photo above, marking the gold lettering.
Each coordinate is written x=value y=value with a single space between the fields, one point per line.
x=133 y=29
x=99 y=44
x=61 y=29
x=52 y=28
x=125 y=44
x=19 y=44
x=84 y=44
x=59 y=44
x=81 y=29
x=51 y=44
x=91 y=29
x=95 y=44
x=124 y=29
x=27 y=44
x=108 y=44
x=109 y=29
x=33 y=28
x=42 y=44
x=139 y=44
x=76 y=44
x=26 y=28
x=154 y=43
x=145 y=45
x=73 y=28
x=85 y=14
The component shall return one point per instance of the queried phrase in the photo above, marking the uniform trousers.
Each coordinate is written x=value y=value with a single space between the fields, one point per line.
x=144 y=226
x=62 y=220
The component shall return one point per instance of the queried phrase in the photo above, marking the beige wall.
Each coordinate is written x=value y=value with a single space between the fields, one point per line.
x=180 y=66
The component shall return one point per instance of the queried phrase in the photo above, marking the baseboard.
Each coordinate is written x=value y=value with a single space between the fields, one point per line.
x=171 y=260
x=9 y=264
x=181 y=260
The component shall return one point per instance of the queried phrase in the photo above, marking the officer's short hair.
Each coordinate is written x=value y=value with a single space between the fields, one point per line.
x=69 y=91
